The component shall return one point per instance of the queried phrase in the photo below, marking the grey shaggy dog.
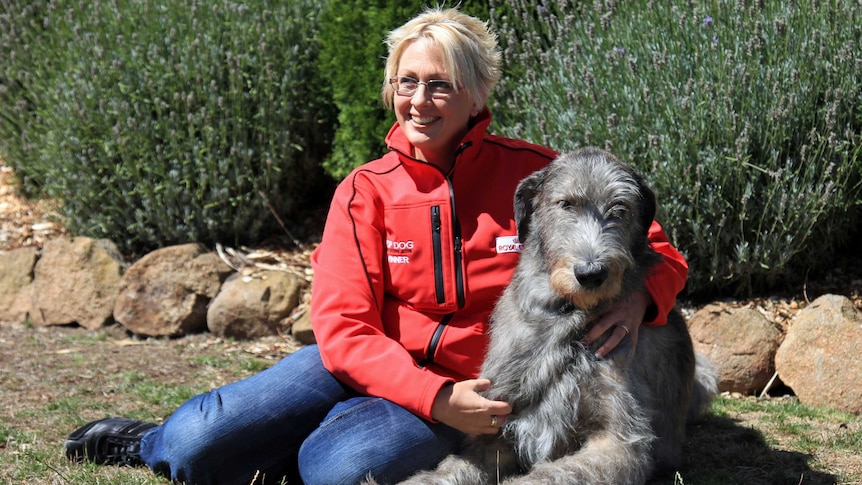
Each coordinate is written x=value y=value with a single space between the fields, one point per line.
x=577 y=419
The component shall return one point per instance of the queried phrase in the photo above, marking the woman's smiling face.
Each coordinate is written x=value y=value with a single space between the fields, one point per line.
x=433 y=125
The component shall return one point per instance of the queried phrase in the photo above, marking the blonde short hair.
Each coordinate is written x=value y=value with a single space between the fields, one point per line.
x=468 y=47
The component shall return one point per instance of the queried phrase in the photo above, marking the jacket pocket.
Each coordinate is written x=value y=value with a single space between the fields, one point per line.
x=418 y=257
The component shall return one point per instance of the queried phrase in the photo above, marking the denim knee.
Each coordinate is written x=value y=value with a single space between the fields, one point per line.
x=372 y=436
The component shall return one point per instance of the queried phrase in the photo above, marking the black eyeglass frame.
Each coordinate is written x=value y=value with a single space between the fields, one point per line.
x=437 y=87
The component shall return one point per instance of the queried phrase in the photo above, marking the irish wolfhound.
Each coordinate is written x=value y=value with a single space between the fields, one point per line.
x=577 y=419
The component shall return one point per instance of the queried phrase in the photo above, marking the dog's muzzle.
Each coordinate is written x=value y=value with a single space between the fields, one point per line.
x=591 y=276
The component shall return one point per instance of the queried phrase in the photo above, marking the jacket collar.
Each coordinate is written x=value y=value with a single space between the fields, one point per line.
x=397 y=142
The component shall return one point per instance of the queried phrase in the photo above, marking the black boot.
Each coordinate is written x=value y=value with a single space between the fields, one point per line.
x=109 y=441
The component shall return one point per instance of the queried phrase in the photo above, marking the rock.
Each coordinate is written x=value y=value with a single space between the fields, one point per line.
x=16 y=275
x=301 y=330
x=166 y=292
x=821 y=356
x=741 y=344
x=76 y=280
x=254 y=304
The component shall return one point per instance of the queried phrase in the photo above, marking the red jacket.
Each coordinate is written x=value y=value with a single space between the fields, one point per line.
x=405 y=248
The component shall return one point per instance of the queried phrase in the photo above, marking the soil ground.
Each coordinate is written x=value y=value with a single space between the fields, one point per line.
x=56 y=378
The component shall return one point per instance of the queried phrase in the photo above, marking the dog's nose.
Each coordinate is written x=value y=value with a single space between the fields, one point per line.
x=591 y=276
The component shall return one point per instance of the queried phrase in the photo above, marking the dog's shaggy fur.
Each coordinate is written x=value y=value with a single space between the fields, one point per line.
x=577 y=419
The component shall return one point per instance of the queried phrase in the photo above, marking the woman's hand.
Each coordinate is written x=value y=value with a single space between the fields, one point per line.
x=461 y=406
x=622 y=321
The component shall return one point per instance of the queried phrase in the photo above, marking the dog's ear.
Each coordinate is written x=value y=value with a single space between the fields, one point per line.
x=648 y=203
x=525 y=196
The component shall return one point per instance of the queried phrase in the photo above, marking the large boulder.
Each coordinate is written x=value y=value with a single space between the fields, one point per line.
x=741 y=344
x=254 y=304
x=821 y=356
x=16 y=276
x=76 y=281
x=166 y=292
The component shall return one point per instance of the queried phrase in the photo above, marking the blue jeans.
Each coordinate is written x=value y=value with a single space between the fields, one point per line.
x=294 y=416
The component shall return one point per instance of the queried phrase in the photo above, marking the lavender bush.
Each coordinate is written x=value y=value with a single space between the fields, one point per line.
x=164 y=122
x=745 y=117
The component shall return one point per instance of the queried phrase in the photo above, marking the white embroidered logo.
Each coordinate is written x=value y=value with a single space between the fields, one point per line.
x=399 y=246
x=509 y=244
x=399 y=251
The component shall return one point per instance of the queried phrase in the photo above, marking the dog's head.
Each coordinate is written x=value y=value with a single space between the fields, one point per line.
x=588 y=214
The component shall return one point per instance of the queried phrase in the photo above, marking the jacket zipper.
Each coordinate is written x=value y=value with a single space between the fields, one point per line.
x=438 y=264
x=459 y=272
x=456 y=232
x=435 y=340
x=437 y=243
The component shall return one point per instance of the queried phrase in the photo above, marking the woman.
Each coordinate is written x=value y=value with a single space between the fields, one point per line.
x=417 y=247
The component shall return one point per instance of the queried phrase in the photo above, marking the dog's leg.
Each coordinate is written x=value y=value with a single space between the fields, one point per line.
x=604 y=459
x=616 y=439
x=672 y=384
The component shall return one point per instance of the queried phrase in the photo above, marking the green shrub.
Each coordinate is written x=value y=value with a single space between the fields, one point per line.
x=168 y=122
x=744 y=116
x=352 y=61
x=27 y=69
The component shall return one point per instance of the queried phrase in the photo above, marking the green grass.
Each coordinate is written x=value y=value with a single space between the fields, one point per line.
x=748 y=440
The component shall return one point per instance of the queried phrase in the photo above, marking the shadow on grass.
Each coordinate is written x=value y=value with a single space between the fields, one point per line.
x=719 y=450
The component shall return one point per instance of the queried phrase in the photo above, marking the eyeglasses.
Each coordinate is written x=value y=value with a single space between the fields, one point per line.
x=407 y=86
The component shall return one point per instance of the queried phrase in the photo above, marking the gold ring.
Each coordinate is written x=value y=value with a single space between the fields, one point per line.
x=493 y=421
x=624 y=328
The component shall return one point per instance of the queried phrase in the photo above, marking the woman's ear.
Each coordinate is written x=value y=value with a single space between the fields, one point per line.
x=478 y=106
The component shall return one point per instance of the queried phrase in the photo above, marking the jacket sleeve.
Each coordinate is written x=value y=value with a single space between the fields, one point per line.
x=667 y=278
x=347 y=298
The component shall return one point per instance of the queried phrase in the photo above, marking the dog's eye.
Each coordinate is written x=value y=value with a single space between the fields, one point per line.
x=565 y=204
x=615 y=214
